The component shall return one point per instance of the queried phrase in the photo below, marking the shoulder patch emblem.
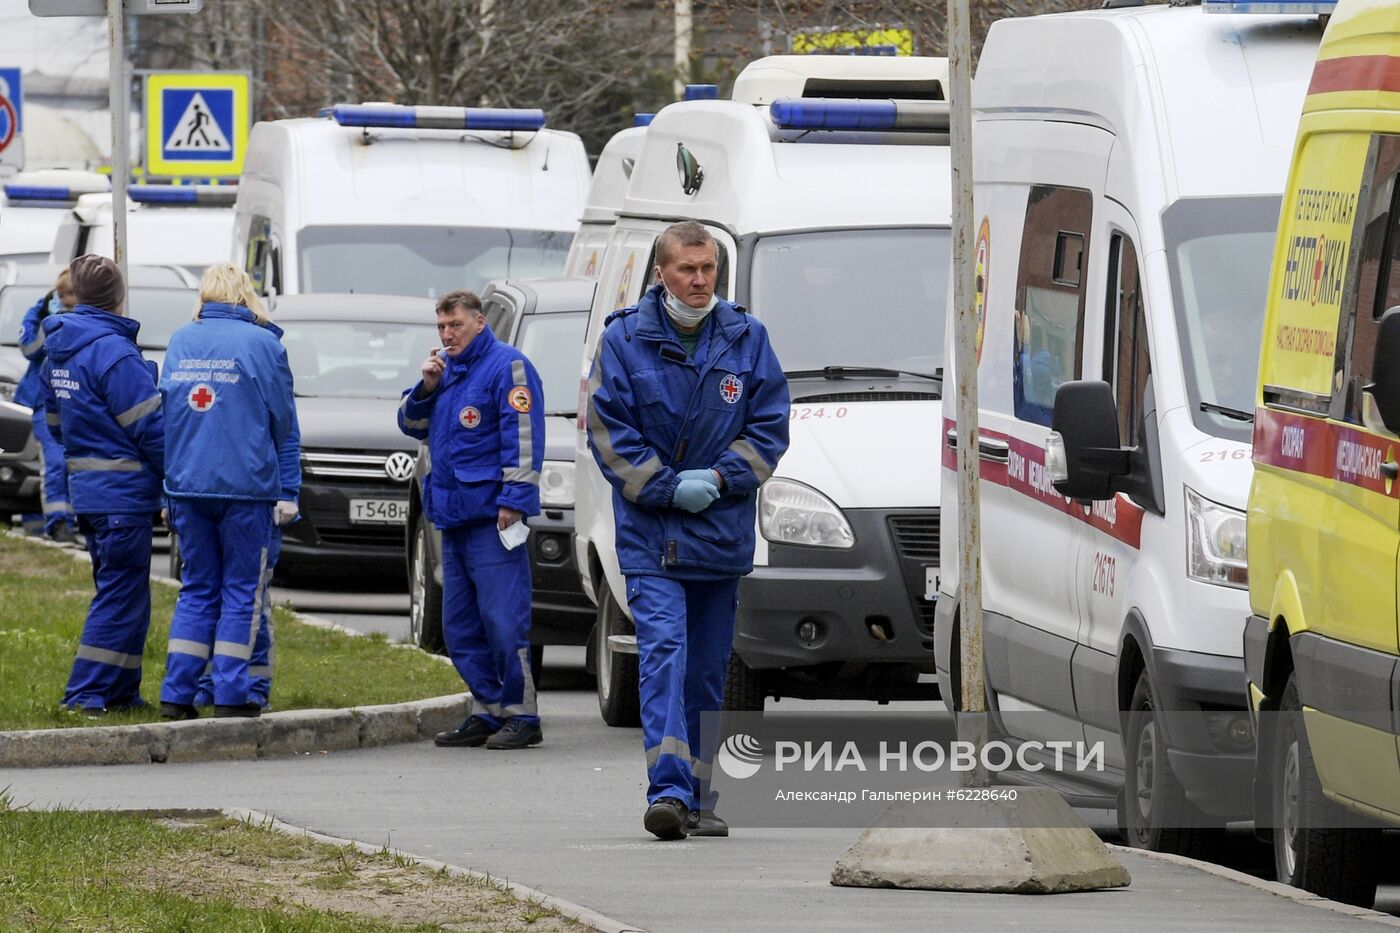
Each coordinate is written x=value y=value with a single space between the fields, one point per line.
x=519 y=399
x=731 y=388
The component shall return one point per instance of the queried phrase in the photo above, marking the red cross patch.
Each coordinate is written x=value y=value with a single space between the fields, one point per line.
x=469 y=417
x=201 y=398
x=731 y=387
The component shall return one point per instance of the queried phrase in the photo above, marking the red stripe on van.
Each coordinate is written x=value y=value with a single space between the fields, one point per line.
x=1356 y=73
x=1024 y=472
x=1317 y=447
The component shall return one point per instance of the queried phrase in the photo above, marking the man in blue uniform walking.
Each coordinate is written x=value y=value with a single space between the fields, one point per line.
x=481 y=409
x=103 y=406
x=687 y=416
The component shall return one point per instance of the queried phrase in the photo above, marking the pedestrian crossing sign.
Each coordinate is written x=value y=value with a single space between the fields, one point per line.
x=196 y=124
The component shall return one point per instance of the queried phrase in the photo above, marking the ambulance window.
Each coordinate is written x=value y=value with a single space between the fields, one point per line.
x=1049 y=326
x=1127 y=363
x=1378 y=278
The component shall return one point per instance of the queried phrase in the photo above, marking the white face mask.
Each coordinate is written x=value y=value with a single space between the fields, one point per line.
x=683 y=314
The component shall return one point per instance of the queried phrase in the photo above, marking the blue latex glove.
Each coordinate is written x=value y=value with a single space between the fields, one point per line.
x=694 y=495
x=704 y=476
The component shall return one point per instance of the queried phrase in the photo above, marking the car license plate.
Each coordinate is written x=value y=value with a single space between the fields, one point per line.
x=379 y=511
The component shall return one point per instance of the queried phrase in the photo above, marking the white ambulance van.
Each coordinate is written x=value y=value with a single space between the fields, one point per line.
x=33 y=205
x=1129 y=165
x=837 y=239
x=412 y=201
x=605 y=194
x=166 y=225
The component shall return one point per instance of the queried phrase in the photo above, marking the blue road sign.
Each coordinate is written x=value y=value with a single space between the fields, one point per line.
x=197 y=124
x=11 y=118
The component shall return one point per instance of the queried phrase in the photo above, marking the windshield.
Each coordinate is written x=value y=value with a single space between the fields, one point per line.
x=856 y=298
x=553 y=343
x=1219 y=251
x=160 y=310
x=424 y=260
x=356 y=359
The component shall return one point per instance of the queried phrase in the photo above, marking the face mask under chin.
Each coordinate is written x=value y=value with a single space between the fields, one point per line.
x=684 y=315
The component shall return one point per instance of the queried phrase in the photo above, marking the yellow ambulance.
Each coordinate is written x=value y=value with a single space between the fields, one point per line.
x=1320 y=647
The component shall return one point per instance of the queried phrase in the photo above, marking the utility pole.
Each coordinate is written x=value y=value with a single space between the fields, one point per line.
x=119 y=98
x=685 y=24
x=972 y=727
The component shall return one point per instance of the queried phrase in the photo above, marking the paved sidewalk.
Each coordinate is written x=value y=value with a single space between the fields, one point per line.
x=566 y=818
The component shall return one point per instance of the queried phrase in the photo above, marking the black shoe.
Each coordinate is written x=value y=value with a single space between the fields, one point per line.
x=178 y=711
x=241 y=711
x=517 y=733
x=472 y=732
x=705 y=823
x=666 y=818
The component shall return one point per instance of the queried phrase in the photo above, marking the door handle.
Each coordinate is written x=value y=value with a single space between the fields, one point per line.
x=1390 y=469
x=987 y=448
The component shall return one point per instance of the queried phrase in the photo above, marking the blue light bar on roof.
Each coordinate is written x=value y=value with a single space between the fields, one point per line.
x=1305 y=7
x=437 y=118
x=202 y=195
x=38 y=193
x=642 y=119
x=822 y=113
x=701 y=92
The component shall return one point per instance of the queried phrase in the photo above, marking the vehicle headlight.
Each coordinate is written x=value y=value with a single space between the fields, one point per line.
x=1215 y=542
x=557 y=484
x=7 y=390
x=791 y=513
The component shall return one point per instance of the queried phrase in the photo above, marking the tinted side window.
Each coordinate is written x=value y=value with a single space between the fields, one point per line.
x=1127 y=362
x=1050 y=287
x=1378 y=275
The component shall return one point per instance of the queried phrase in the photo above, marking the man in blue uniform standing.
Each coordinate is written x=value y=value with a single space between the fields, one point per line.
x=687 y=416
x=481 y=409
x=59 y=521
x=103 y=406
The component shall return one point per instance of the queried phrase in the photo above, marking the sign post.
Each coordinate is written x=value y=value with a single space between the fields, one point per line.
x=119 y=95
x=11 y=120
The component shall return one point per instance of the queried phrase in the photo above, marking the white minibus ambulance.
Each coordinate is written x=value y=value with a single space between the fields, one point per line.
x=605 y=194
x=826 y=184
x=1129 y=165
x=166 y=225
x=33 y=205
x=413 y=201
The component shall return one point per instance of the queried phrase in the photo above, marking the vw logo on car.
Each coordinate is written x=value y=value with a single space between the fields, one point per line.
x=399 y=466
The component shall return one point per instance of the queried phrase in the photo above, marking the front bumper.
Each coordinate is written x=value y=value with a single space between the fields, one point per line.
x=325 y=535
x=1209 y=692
x=851 y=596
x=561 y=613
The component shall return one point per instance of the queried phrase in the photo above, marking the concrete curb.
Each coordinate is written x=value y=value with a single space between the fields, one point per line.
x=589 y=918
x=293 y=732
x=290 y=732
x=1271 y=887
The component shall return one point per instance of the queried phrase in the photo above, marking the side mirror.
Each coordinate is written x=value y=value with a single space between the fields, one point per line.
x=1380 y=404
x=1082 y=455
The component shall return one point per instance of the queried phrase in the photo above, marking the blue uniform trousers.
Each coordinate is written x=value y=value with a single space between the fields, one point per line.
x=107 y=670
x=486 y=620
x=224 y=544
x=54 y=494
x=685 y=631
x=260 y=664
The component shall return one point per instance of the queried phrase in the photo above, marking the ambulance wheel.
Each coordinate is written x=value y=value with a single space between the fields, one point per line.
x=1311 y=850
x=743 y=687
x=424 y=595
x=619 y=699
x=1157 y=814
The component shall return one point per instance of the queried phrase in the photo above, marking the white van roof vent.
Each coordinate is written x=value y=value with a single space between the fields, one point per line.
x=842 y=77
